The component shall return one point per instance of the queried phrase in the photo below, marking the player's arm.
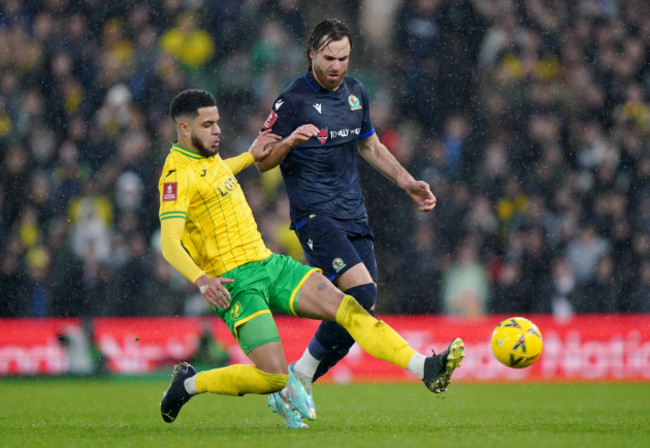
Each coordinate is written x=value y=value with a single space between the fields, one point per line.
x=260 y=149
x=212 y=289
x=279 y=150
x=377 y=155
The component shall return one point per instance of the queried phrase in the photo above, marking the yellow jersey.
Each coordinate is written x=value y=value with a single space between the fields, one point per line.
x=220 y=232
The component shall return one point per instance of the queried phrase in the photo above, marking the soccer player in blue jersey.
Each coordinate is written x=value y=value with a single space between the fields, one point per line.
x=324 y=120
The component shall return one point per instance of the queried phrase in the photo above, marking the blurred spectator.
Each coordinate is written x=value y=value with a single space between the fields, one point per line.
x=535 y=265
x=419 y=268
x=132 y=277
x=509 y=294
x=638 y=301
x=455 y=133
x=38 y=265
x=481 y=219
x=67 y=293
x=418 y=44
x=13 y=279
x=465 y=286
x=584 y=250
x=493 y=170
x=70 y=171
x=162 y=292
x=187 y=42
x=511 y=206
x=563 y=285
x=601 y=294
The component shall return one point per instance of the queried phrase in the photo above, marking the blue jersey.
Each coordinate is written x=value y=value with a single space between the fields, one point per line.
x=321 y=174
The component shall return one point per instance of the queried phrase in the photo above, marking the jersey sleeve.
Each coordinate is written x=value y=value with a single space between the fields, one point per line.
x=367 y=129
x=176 y=190
x=171 y=233
x=238 y=163
x=281 y=117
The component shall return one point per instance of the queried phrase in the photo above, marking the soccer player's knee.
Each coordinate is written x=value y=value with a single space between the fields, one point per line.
x=349 y=313
x=366 y=295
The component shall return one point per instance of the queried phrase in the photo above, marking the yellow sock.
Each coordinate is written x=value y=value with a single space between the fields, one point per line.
x=376 y=337
x=239 y=379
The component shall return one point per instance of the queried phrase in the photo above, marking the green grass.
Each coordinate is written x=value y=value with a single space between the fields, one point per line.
x=124 y=413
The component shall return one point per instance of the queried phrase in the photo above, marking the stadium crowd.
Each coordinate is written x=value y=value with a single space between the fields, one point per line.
x=530 y=120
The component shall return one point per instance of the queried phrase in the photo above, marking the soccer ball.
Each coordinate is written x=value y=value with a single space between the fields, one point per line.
x=517 y=342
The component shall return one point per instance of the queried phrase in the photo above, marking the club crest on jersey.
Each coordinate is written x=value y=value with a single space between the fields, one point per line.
x=354 y=102
x=338 y=264
x=235 y=310
x=169 y=191
x=270 y=120
x=322 y=136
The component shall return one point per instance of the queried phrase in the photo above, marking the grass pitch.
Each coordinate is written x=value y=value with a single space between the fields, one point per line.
x=117 y=412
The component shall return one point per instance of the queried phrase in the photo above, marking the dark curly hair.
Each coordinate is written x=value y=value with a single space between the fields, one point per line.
x=188 y=102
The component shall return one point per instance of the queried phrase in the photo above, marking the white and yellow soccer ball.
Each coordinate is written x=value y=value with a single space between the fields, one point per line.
x=517 y=342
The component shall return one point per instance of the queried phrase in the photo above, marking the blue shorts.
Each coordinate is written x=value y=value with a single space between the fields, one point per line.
x=335 y=246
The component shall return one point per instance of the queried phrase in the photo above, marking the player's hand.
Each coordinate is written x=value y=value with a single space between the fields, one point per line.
x=213 y=291
x=303 y=133
x=421 y=193
x=263 y=144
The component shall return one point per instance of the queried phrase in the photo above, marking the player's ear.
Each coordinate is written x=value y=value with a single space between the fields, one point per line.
x=184 y=127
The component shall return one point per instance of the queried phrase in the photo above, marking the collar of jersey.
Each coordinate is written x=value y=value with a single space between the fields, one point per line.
x=186 y=152
x=316 y=87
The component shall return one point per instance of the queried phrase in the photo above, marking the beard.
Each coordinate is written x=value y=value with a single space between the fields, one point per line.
x=198 y=144
x=329 y=84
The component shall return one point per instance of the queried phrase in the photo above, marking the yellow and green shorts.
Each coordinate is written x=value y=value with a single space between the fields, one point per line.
x=259 y=287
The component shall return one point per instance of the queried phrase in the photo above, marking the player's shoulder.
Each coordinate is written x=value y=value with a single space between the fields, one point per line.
x=289 y=100
x=298 y=85
x=179 y=162
x=176 y=160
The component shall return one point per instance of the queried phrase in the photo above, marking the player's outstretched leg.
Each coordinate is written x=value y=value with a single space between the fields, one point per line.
x=333 y=339
x=438 y=368
x=281 y=406
x=176 y=396
x=300 y=395
x=381 y=341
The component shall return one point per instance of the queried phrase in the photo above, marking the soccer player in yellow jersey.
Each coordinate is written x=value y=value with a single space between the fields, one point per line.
x=208 y=233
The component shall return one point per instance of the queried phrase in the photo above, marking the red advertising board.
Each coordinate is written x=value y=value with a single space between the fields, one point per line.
x=592 y=347
x=584 y=348
x=32 y=346
x=141 y=344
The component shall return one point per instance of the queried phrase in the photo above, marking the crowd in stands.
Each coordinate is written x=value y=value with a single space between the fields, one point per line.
x=530 y=120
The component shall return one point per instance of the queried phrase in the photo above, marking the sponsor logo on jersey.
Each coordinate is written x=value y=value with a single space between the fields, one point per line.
x=345 y=132
x=228 y=185
x=354 y=102
x=322 y=135
x=169 y=191
x=338 y=264
x=318 y=107
x=278 y=104
x=270 y=120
